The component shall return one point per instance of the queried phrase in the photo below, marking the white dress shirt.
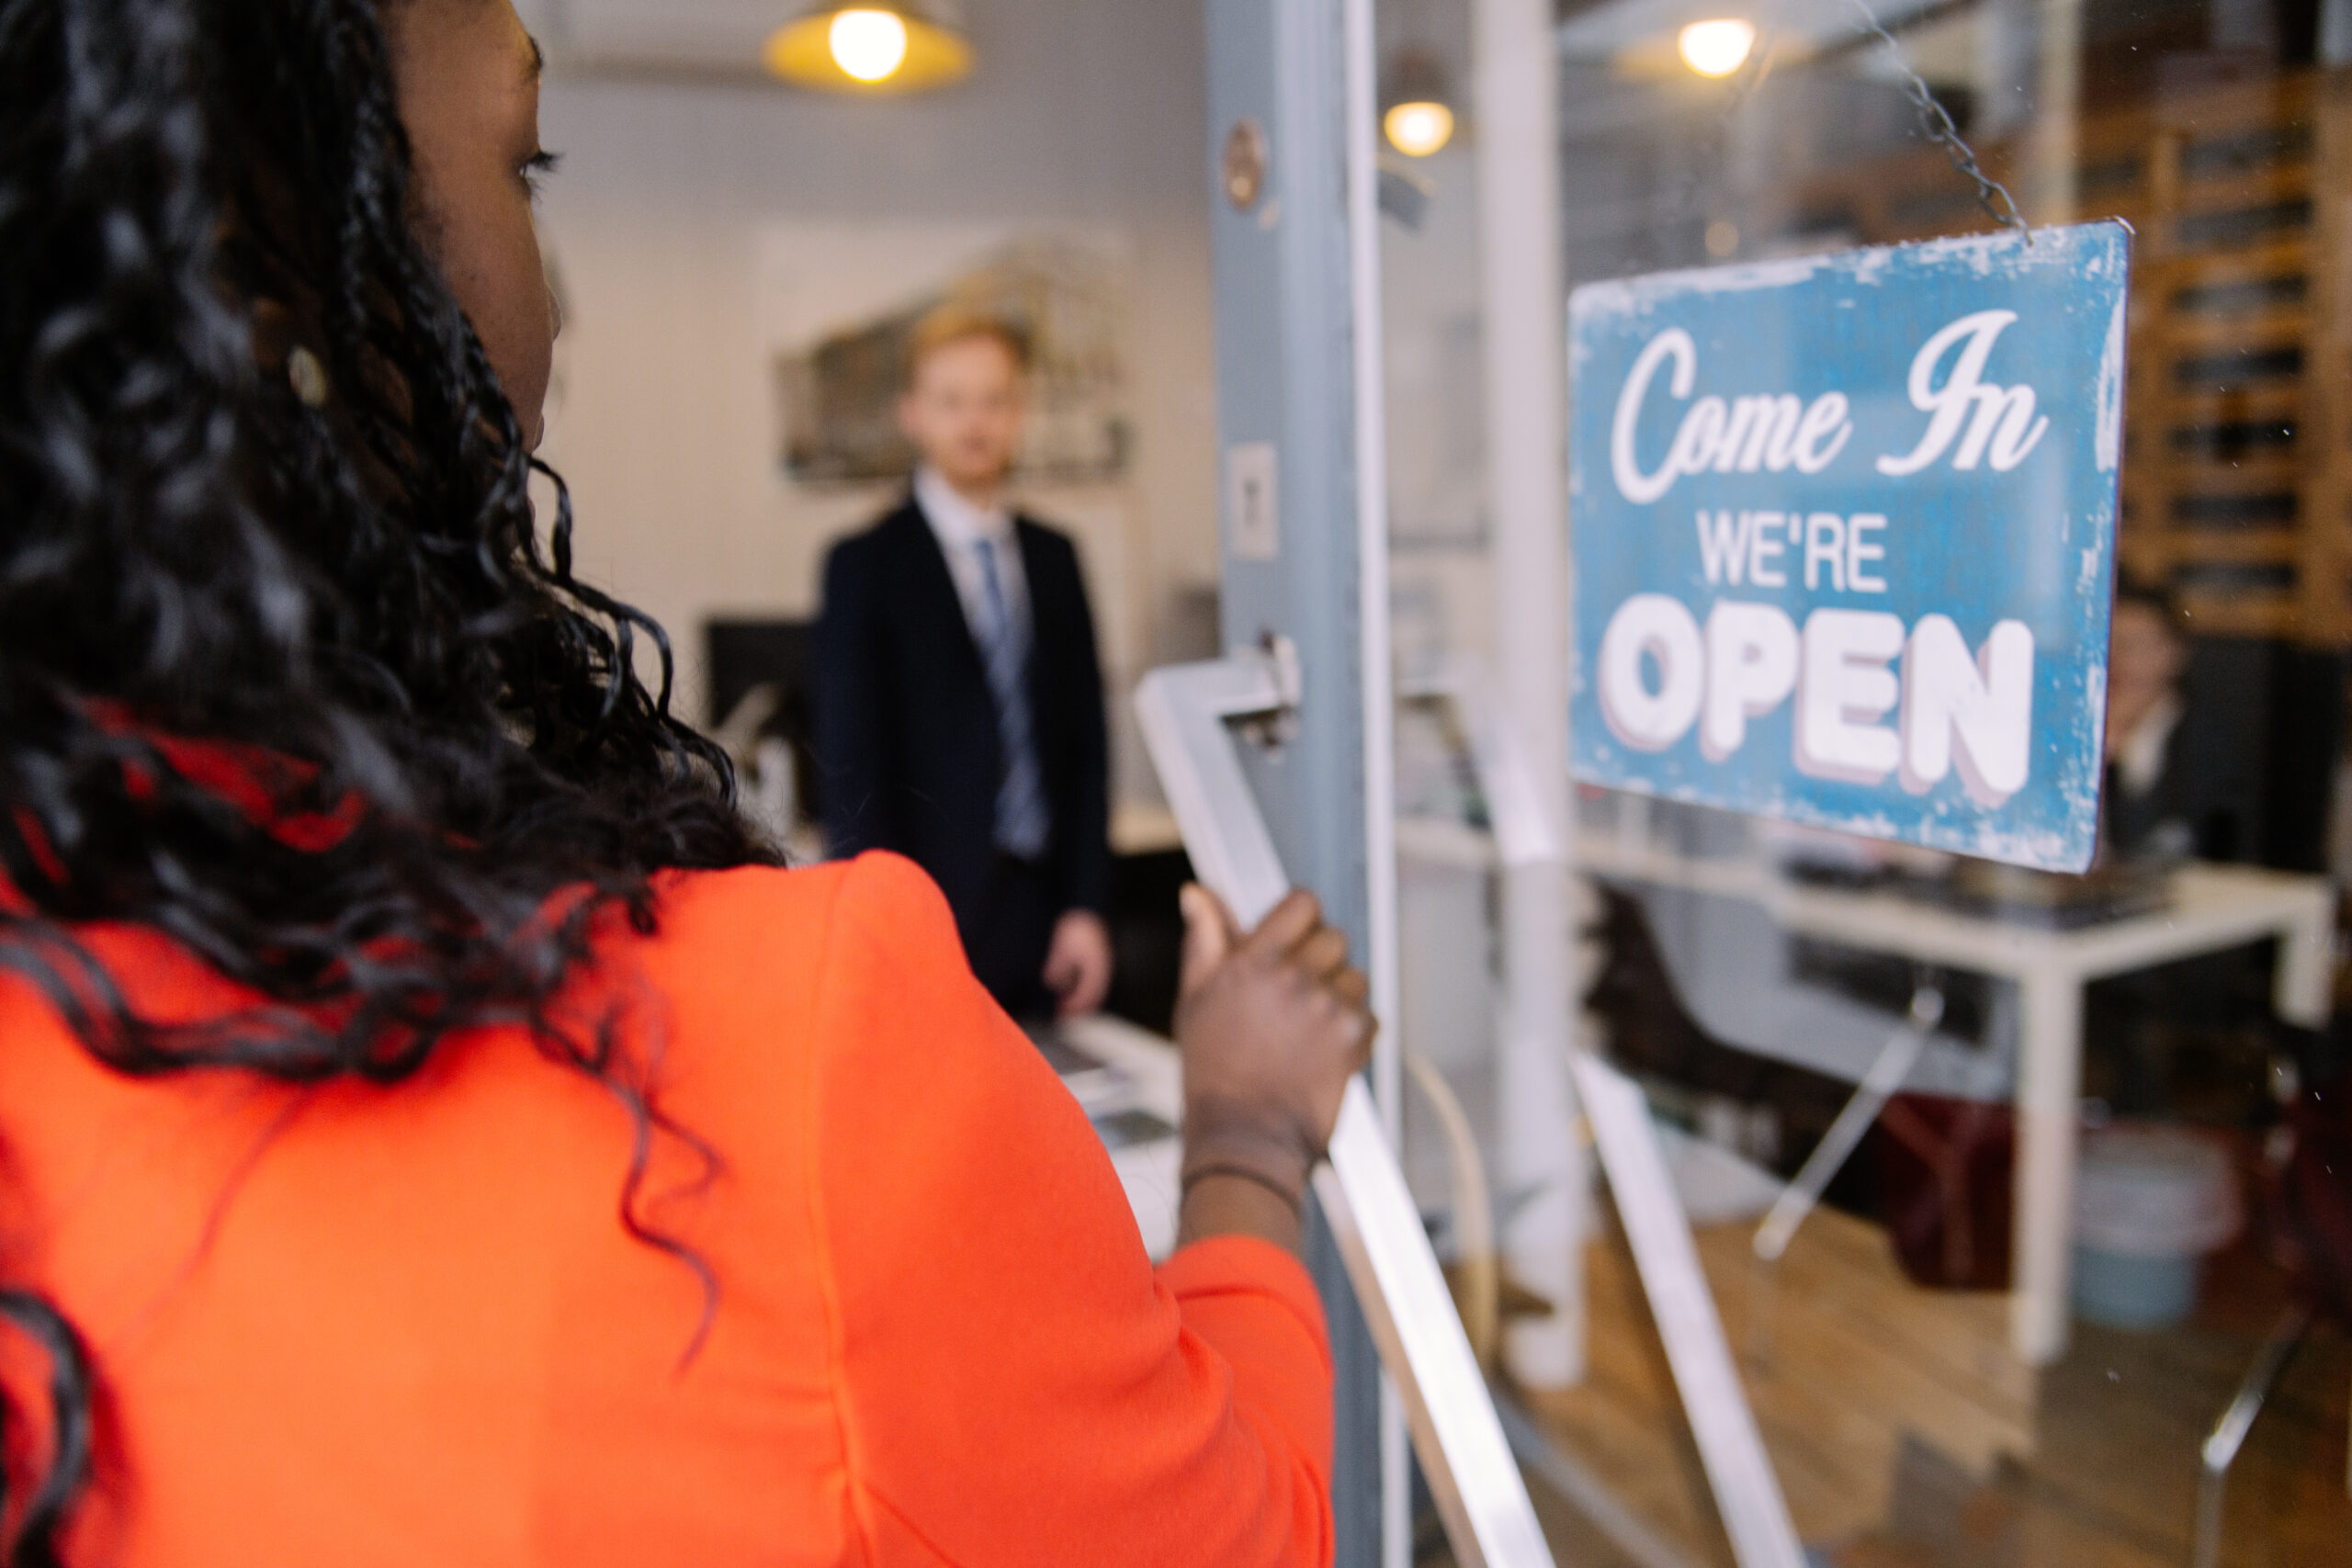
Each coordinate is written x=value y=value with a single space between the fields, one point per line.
x=959 y=526
x=2140 y=760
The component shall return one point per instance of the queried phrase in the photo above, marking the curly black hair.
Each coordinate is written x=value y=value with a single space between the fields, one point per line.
x=353 y=596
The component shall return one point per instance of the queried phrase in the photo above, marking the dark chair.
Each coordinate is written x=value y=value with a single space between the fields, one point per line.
x=756 y=679
x=2281 y=707
x=1696 y=982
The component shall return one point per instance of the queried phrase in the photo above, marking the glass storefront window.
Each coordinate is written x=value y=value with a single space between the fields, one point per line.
x=1918 y=1403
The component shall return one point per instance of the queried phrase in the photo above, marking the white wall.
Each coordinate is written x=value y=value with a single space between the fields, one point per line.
x=663 y=421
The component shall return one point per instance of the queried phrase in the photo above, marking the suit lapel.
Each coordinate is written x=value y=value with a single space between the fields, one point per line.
x=1044 y=611
x=1037 y=572
x=930 y=587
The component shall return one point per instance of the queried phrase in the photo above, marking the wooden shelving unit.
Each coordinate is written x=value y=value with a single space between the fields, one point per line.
x=2237 y=472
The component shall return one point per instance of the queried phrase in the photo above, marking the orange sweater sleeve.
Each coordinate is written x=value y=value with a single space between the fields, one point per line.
x=1015 y=1383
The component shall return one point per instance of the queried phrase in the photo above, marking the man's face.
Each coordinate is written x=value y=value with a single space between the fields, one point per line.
x=963 y=410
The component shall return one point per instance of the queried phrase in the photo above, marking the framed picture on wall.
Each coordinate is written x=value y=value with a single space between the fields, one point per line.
x=841 y=300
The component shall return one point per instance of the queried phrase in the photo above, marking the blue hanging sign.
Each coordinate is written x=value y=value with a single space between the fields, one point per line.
x=1844 y=535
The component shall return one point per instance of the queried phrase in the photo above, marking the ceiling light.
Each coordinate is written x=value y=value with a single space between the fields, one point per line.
x=1416 y=116
x=1716 y=48
x=889 y=46
x=1417 y=130
x=869 y=45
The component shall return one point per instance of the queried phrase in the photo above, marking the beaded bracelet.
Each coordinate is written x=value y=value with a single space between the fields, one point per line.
x=1296 y=1201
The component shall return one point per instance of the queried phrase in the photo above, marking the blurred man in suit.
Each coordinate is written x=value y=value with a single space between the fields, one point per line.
x=958 y=701
x=2181 y=782
x=2175 y=784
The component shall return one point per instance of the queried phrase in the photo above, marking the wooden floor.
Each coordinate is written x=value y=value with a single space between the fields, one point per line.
x=1905 y=1436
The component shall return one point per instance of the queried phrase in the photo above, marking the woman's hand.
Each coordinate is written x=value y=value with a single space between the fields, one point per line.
x=1272 y=1025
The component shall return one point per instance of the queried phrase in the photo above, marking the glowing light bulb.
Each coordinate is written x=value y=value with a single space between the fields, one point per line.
x=868 y=44
x=1417 y=130
x=1717 y=48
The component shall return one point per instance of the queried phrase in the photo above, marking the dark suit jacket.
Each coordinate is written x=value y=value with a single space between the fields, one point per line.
x=2205 y=794
x=906 y=727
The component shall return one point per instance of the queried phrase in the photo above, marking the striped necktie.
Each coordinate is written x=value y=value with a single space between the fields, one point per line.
x=1021 y=820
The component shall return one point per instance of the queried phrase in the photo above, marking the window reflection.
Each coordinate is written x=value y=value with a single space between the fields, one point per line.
x=1978 y=1348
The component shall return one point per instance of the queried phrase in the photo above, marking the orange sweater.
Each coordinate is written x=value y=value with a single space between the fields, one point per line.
x=404 y=1326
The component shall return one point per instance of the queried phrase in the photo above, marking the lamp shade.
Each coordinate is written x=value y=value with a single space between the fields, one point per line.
x=872 y=46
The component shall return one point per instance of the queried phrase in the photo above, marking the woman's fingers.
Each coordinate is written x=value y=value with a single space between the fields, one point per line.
x=1209 y=935
x=1352 y=1010
x=1286 y=926
x=1318 y=953
x=1273 y=1025
x=1322 y=954
x=1293 y=936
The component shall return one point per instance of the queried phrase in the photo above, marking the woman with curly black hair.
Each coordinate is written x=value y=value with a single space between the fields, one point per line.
x=432 y=1127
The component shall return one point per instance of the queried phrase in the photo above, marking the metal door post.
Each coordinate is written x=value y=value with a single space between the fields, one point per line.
x=1515 y=74
x=1293 y=282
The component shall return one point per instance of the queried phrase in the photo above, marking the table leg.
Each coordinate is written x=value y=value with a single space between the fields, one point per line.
x=2049 y=1052
x=1544 y=1242
x=2306 y=962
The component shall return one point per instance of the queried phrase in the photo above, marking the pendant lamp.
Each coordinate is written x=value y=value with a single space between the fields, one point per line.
x=872 y=46
x=1717 y=47
x=1415 y=115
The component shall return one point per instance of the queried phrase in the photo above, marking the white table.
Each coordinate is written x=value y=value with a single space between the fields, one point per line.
x=1149 y=1172
x=2208 y=908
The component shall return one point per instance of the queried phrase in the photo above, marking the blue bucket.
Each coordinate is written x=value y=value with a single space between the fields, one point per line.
x=2149 y=1204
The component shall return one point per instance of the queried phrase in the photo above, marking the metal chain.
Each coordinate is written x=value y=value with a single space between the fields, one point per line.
x=1935 y=125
